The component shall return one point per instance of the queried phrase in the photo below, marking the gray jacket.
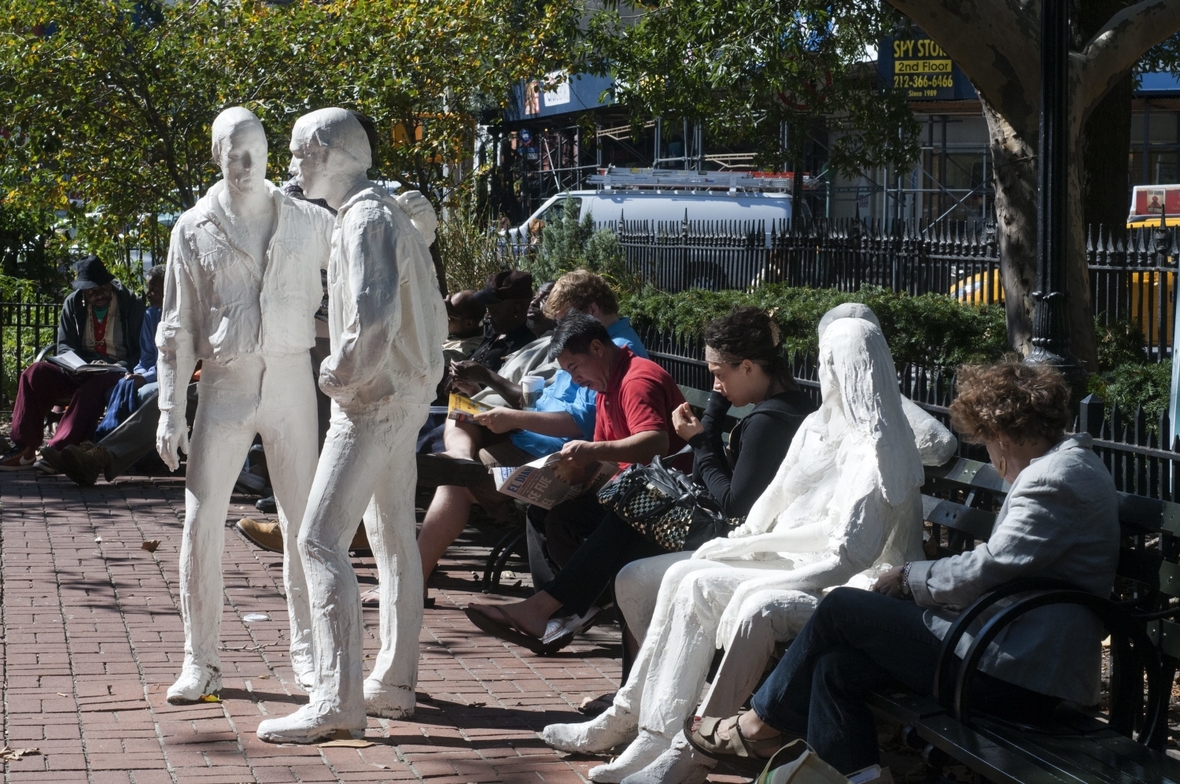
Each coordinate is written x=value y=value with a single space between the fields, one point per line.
x=1060 y=519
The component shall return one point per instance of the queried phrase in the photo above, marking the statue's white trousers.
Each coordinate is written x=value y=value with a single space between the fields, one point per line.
x=663 y=690
x=273 y=397
x=367 y=468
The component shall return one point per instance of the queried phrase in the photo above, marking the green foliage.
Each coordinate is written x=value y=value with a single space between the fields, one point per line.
x=1119 y=343
x=470 y=252
x=569 y=244
x=1135 y=384
x=743 y=67
x=109 y=102
x=932 y=330
x=31 y=251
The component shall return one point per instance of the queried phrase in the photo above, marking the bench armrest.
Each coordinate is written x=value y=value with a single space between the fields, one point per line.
x=945 y=674
x=1130 y=649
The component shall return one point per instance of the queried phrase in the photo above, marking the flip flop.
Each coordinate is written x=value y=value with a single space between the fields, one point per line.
x=505 y=629
x=704 y=736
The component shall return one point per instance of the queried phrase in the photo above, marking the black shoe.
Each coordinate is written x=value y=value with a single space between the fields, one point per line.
x=266 y=505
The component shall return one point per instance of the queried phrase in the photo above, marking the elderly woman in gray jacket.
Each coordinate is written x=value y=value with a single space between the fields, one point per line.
x=1060 y=519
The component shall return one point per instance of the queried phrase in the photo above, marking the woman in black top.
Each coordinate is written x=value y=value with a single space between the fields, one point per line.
x=744 y=353
x=745 y=356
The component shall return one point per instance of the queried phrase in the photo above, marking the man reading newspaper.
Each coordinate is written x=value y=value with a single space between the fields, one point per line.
x=636 y=398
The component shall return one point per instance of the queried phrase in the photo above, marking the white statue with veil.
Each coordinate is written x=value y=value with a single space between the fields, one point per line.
x=844 y=505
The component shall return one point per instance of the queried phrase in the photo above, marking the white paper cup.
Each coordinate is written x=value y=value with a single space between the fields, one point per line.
x=530 y=391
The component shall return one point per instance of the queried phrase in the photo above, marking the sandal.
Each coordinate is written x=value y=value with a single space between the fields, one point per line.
x=704 y=735
x=506 y=630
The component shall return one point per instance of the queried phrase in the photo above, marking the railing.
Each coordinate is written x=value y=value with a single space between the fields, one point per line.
x=1132 y=274
x=25 y=328
x=1131 y=447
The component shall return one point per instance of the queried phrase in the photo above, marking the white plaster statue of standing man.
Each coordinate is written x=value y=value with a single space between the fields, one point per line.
x=388 y=322
x=241 y=292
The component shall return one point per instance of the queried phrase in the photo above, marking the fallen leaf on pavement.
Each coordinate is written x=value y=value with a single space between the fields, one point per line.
x=8 y=753
x=349 y=743
x=150 y=545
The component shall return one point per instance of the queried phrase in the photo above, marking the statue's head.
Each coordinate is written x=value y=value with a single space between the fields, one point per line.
x=857 y=377
x=326 y=145
x=847 y=310
x=239 y=148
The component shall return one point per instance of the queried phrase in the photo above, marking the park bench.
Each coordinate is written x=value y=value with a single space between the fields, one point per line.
x=1077 y=745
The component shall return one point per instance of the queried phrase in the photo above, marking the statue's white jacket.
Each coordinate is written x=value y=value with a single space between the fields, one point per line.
x=379 y=275
x=220 y=303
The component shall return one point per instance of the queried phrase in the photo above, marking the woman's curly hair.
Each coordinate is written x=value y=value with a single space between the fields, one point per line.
x=1019 y=401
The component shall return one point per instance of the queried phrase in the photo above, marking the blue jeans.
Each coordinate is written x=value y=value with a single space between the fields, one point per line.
x=856 y=642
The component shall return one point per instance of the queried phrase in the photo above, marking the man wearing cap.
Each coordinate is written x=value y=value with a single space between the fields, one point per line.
x=100 y=322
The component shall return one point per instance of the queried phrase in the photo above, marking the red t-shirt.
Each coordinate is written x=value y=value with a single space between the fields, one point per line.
x=639 y=398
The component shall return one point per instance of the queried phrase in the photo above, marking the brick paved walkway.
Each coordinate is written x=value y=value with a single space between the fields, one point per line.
x=92 y=638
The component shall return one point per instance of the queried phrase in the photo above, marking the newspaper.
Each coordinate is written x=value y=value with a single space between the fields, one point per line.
x=75 y=364
x=463 y=409
x=536 y=483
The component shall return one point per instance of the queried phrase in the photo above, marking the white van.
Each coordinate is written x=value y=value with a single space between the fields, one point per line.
x=610 y=206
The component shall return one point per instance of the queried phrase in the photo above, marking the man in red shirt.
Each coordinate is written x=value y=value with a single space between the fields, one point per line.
x=636 y=398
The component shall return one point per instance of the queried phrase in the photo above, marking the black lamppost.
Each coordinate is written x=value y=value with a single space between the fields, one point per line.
x=1050 y=316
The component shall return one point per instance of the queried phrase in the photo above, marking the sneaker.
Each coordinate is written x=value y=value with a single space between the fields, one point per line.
x=16 y=459
x=266 y=535
x=84 y=462
x=267 y=505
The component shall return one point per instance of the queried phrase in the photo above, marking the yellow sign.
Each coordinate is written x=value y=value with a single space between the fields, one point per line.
x=922 y=66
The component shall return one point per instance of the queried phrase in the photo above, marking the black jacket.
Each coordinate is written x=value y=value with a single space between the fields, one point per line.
x=73 y=325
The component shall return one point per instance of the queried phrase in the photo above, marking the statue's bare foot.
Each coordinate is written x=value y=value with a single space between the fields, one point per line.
x=611 y=728
x=195 y=682
x=681 y=763
x=311 y=724
x=389 y=702
x=643 y=751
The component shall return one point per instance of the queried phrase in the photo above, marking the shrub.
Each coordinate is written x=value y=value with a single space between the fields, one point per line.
x=932 y=330
x=469 y=251
x=569 y=244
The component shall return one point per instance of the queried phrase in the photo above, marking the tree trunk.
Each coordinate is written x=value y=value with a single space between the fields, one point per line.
x=1015 y=175
x=1106 y=150
x=1106 y=136
x=1014 y=163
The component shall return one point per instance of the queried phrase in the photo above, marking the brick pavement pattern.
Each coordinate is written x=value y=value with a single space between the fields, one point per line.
x=91 y=639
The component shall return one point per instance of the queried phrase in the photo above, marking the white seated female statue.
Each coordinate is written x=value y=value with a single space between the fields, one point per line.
x=844 y=503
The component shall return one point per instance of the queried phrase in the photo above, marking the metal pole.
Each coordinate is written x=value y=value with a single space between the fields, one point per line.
x=1050 y=317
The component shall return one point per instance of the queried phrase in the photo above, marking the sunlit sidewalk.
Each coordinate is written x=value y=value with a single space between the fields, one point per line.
x=92 y=638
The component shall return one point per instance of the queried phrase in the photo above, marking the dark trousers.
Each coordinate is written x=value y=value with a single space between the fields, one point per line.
x=856 y=642
x=44 y=385
x=590 y=545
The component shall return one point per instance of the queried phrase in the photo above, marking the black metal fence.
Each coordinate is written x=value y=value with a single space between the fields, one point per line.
x=25 y=328
x=1132 y=273
x=1133 y=447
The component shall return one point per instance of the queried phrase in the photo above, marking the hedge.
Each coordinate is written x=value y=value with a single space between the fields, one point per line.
x=932 y=330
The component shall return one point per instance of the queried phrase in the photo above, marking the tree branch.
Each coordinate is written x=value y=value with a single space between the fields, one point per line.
x=1114 y=50
x=995 y=42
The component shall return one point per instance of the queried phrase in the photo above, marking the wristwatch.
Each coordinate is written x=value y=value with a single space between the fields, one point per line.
x=904 y=585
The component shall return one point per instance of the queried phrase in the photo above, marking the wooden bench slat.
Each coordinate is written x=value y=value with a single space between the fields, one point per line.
x=1092 y=758
x=984 y=755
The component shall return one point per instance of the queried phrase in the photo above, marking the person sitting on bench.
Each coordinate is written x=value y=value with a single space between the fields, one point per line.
x=100 y=322
x=1059 y=520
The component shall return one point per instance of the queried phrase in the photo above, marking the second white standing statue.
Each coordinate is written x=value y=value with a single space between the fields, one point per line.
x=388 y=322
x=241 y=292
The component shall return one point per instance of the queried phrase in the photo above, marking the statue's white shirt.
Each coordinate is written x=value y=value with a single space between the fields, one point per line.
x=221 y=303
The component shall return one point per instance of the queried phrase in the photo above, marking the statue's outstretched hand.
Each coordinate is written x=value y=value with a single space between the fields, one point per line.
x=421 y=213
x=722 y=550
x=172 y=438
